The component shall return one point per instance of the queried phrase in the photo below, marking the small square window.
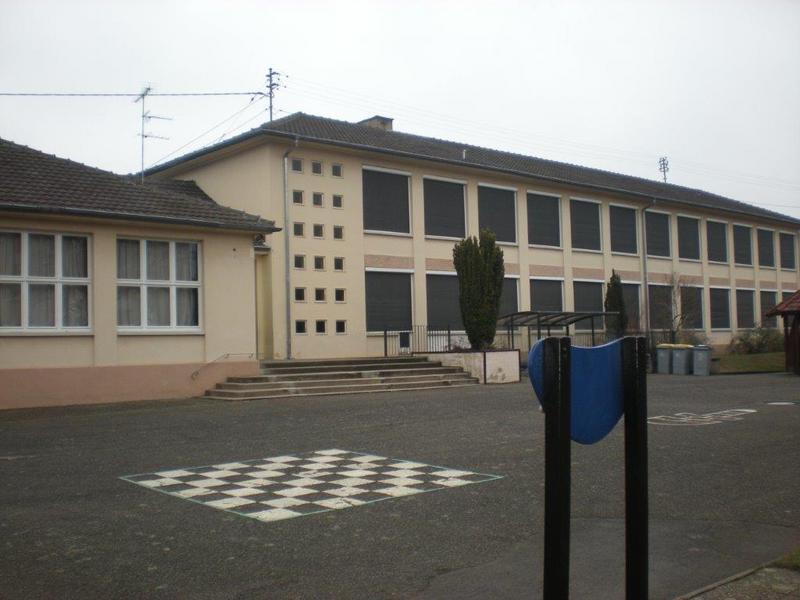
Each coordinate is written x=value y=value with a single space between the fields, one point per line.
x=337 y=201
x=338 y=232
x=321 y=326
x=319 y=230
x=317 y=199
x=297 y=196
x=341 y=326
x=299 y=294
x=299 y=229
x=297 y=165
x=339 y=294
x=319 y=263
x=338 y=263
x=300 y=327
x=319 y=294
x=299 y=261
x=316 y=167
x=336 y=170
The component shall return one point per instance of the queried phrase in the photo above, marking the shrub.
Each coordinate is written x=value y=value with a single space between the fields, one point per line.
x=615 y=302
x=757 y=340
x=695 y=338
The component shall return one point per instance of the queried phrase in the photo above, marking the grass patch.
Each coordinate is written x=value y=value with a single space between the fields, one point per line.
x=769 y=362
x=790 y=561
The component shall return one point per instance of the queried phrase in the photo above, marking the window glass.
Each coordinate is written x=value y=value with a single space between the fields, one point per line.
x=787 y=242
x=546 y=295
x=660 y=304
x=585 y=224
x=10 y=253
x=544 y=220
x=316 y=167
x=720 y=308
x=129 y=309
x=128 y=259
x=508 y=298
x=157 y=261
x=187 y=307
x=338 y=232
x=297 y=197
x=41 y=305
x=299 y=261
x=321 y=326
x=588 y=298
x=299 y=294
x=337 y=203
x=339 y=295
x=10 y=305
x=186 y=264
x=300 y=326
x=768 y=302
x=691 y=307
x=317 y=199
x=75 y=305
x=41 y=255
x=341 y=326
x=319 y=262
x=336 y=170
x=297 y=165
x=630 y=295
x=74 y=256
x=158 y=306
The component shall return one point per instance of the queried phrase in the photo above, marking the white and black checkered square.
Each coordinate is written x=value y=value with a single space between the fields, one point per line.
x=282 y=487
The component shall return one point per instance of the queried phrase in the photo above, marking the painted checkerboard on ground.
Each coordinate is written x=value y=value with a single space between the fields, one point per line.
x=282 y=487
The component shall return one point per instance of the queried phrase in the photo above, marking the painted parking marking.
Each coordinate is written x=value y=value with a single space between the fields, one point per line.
x=694 y=420
x=284 y=487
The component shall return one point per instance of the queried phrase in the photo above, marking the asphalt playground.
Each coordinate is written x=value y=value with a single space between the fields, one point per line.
x=724 y=486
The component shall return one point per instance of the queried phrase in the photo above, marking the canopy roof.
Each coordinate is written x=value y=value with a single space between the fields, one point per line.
x=790 y=306
x=547 y=318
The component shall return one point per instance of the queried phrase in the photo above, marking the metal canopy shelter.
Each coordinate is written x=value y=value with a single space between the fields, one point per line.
x=547 y=319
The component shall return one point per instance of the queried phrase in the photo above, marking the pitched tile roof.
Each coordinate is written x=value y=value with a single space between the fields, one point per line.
x=354 y=135
x=32 y=181
x=789 y=306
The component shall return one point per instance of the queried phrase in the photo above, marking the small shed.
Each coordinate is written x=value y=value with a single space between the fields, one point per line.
x=789 y=309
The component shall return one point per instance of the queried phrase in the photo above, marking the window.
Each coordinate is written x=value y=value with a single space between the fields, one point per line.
x=316 y=167
x=786 y=241
x=158 y=284
x=341 y=326
x=319 y=294
x=300 y=326
x=786 y=295
x=766 y=248
x=588 y=297
x=299 y=294
x=297 y=165
x=338 y=263
x=768 y=302
x=316 y=199
x=387 y=300
x=385 y=201
x=717 y=238
x=319 y=263
x=319 y=230
x=339 y=295
x=660 y=301
x=719 y=303
x=299 y=261
x=657 y=229
x=623 y=229
x=444 y=308
x=336 y=170
x=509 y=302
x=497 y=212
x=297 y=196
x=742 y=245
x=688 y=238
x=299 y=229
x=337 y=202
x=338 y=232
x=630 y=295
x=546 y=295
x=544 y=221
x=320 y=326
x=745 y=309
x=44 y=281
x=691 y=306
x=444 y=208
x=585 y=224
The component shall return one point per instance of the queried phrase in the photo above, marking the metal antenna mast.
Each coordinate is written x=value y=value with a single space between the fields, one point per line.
x=146 y=116
x=663 y=166
x=273 y=83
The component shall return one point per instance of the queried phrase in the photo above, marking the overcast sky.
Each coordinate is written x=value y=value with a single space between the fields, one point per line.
x=715 y=86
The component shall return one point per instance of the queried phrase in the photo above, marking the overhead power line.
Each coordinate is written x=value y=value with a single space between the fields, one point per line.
x=124 y=94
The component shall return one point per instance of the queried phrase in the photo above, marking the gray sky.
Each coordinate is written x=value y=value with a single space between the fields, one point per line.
x=715 y=86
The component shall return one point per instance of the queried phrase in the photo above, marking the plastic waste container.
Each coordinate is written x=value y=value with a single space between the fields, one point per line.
x=701 y=360
x=664 y=359
x=682 y=359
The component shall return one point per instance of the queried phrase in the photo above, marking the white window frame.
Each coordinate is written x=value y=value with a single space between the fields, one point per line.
x=600 y=224
x=341 y=170
x=727 y=249
x=775 y=257
x=57 y=281
x=636 y=228
x=321 y=199
x=505 y=188
x=670 y=227
x=794 y=248
x=752 y=249
x=464 y=185
x=172 y=284
x=559 y=199
x=705 y=302
x=730 y=302
x=699 y=221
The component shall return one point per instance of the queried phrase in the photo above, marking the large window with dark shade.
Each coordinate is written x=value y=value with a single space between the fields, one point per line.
x=588 y=298
x=508 y=300
x=745 y=309
x=585 y=224
x=444 y=309
x=657 y=229
x=630 y=295
x=787 y=245
x=623 y=229
x=444 y=208
x=388 y=300
x=691 y=307
x=688 y=238
x=768 y=302
x=766 y=248
x=546 y=295
x=717 y=237
x=720 y=308
x=544 y=220
x=660 y=305
x=742 y=245
x=385 y=201
x=497 y=212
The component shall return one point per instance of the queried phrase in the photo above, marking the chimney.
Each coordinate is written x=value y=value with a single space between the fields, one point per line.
x=378 y=122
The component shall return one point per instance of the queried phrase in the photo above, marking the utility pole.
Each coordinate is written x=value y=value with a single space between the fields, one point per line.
x=146 y=116
x=273 y=83
x=663 y=166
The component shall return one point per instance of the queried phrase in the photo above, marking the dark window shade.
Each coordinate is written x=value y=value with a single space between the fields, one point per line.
x=444 y=208
x=388 y=300
x=585 y=218
x=786 y=295
x=787 y=251
x=630 y=295
x=660 y=301
x=657 y=227
x=444 y=309
x=623 y=229
x=742 y=245
x=745 y=309
x=588 y=298
x=385 y=201
x=717 y=237
x=766 y=248
x=691 y=307
x=768 y=301
x=544 y=220
x=497 y=213
x=508 y=299
x=688 y=238
x=719 y=304
x=546 y=295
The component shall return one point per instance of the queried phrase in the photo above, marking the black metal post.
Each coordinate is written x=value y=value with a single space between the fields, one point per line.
x=449 y=342
x=556 y=391
x=592 y=331
x=385 y=342
x=634 y=385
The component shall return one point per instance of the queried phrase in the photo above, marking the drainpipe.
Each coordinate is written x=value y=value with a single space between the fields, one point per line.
x=644 y=270
x=286 y=250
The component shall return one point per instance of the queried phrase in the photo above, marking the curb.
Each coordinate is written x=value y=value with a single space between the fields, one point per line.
x=720 y=583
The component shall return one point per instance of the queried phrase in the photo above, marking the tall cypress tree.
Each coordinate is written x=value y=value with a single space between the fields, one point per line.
x=615 y=302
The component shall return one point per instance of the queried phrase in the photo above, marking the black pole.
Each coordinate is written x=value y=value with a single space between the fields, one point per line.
x=385 y=342
x=592 y=331
x=634 y=384
x=556 y=391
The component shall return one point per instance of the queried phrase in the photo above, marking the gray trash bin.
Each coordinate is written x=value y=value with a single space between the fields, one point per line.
x=664 y=359
x=702 y=360
x=682 y=360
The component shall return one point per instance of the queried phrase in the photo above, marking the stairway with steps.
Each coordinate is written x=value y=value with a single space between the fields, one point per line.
x=290 y=378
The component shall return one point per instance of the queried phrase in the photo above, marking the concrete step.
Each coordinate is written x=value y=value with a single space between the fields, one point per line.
x=340 y=368
x=274 y=364
x=272 y=385
x=308 y=376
